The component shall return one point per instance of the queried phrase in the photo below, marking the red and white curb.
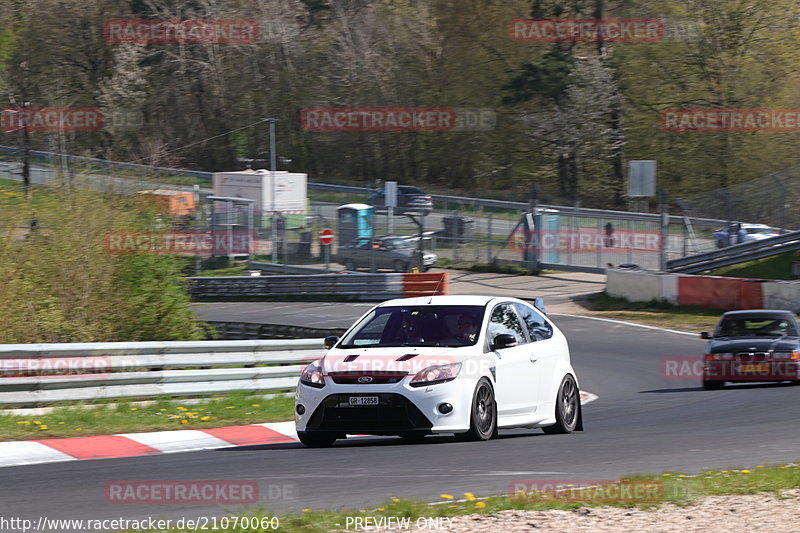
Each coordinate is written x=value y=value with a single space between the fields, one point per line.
x=134 y=444
x=30 y=452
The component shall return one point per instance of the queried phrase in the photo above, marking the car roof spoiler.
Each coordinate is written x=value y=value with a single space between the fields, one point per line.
x=538 y=303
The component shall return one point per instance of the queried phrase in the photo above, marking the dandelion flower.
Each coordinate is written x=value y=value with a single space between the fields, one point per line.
x=480 y=504
x=469 y=496
x=43 y=426
x=395 y=500
x=745 y=471
x=204 y=418
x=184 y=421
x=37 y=422
x=134 y=408
x=231 y=407
x=446 y=496
x=256 y=405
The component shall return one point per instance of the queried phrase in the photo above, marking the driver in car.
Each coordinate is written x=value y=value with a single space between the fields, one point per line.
x=467 y=329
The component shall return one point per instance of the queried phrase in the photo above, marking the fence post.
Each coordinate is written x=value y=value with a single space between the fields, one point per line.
x=664 y=210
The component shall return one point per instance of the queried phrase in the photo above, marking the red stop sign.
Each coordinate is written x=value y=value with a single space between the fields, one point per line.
x=326 y=236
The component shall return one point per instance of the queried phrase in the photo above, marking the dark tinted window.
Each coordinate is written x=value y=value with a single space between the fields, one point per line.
x=754 y=327
x=435 y=325
x=538 y=328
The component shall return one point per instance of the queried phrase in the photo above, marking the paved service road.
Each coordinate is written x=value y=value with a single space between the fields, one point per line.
x=641 y=423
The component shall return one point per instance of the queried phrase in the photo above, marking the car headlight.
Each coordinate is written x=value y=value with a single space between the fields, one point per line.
x=436 y=374
x=312 y=376
x=721 y=356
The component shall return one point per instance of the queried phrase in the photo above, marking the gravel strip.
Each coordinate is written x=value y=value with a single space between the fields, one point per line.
x=712 y=514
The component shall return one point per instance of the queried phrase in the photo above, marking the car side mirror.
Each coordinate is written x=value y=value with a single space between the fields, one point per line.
x=330 y=341
x=503 y=340
x=705 y=335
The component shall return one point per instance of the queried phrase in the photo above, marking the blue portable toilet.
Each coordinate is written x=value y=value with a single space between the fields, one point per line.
x=355 y=221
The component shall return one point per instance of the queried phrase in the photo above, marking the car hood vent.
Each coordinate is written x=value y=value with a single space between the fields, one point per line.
x=406 y=357
x=351 y=357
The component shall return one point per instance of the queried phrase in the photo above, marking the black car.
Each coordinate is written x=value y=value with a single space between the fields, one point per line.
x=752 y=345
x=409 y=200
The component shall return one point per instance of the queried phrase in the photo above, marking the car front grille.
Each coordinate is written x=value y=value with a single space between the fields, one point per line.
x=751 y=356
x=367 y=378
x=393 y=414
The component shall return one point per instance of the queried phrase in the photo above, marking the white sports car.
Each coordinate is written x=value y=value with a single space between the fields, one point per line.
x=467 y=365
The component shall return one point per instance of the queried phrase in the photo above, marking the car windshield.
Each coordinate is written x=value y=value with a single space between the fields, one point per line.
x=424 y=325
x=754 y=327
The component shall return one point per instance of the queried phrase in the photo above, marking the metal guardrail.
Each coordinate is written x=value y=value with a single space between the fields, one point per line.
x=250 y=330
x=350 y=286
x=738 y=253
x=44 y=373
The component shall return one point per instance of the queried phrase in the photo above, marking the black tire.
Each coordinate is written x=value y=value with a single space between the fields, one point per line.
x=349 y=264
x=400 y=266
x=713 y=385
x=316 y=440
x=568 y=407
x=483 y=414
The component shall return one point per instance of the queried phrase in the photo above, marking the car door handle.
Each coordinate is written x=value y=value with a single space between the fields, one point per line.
x=533 y=359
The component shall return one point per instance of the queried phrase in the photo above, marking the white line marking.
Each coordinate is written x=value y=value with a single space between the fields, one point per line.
x=601 y=319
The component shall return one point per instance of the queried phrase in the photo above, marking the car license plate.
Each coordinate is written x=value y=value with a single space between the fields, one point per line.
x=363 y=400
x=754 y=368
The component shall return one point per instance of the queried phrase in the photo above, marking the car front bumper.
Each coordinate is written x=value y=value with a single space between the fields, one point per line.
x=401 y=408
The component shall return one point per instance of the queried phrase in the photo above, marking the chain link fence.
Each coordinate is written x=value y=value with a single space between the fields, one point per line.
x=770 y=200
x=462 y=231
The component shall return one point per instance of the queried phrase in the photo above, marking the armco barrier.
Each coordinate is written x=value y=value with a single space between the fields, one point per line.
x=32 y=374
x=350 y=286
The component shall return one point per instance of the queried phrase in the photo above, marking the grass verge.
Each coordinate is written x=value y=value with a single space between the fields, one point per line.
x=132 y=417
x=654 y=313
x=674 y=488
x=775 y=267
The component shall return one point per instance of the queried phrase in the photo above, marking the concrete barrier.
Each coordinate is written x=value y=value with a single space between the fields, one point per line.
x=713 y=292
x=782 y=295
x=633 y=285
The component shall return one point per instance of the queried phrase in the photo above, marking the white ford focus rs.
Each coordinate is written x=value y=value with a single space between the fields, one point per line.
x=467 y=365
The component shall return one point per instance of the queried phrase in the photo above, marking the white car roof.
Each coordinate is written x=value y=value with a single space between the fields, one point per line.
x=444 y=300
